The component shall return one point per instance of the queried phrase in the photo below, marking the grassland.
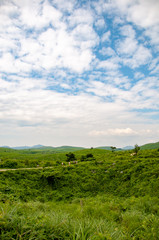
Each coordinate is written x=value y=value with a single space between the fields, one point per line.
x=101 y=195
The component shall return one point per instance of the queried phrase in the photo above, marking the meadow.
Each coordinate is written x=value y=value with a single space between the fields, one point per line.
x=99 y=194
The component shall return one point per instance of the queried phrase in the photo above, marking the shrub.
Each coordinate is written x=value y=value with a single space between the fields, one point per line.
x=70 y=157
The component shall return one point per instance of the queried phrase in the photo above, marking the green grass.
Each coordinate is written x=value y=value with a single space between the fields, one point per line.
x=150 y=146
x=103 y=217
x=112 y=196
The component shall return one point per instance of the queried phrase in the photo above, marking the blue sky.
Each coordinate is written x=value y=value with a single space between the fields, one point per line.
x=81 y=73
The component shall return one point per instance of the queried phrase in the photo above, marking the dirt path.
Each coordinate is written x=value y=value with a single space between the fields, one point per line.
x=11 y=169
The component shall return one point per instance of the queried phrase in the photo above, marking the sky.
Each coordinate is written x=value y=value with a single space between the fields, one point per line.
x=80 y=73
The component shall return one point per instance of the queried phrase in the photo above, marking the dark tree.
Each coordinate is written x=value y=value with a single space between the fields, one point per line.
x=113 y=148
x=70 y=157
x=89 y=155
x=136 y=149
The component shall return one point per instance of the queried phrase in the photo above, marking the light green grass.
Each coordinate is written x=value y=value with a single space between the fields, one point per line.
x=103 y=217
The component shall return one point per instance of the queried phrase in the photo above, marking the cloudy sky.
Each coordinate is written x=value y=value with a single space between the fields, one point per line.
x=81 y=73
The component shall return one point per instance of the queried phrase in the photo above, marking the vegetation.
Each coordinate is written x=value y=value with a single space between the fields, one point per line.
x=150 y=146
x=70 y=157
x=113 y=148
x=136 y=149
x=101 y=195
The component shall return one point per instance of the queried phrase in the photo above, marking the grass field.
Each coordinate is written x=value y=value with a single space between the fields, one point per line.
x=101 y=195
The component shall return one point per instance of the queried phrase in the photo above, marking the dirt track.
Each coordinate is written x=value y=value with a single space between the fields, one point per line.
x=11 y=169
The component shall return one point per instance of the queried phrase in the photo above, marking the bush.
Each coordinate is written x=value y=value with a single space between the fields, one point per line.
x=70 y=157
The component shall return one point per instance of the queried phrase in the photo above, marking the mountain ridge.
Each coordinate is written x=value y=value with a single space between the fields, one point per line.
x=72 y=148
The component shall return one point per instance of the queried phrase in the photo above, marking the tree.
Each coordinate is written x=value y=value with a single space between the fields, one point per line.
x=89 y=155
x=113 y=148
x=70 y=157
x=136 y=149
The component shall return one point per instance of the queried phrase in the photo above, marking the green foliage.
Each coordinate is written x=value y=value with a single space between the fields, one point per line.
x=9 y=164
x=102 y=217
x=150 y=146
x=87 y=157
x=115 y=196
x=136 y=149
x=113 y=148
x=70 y=157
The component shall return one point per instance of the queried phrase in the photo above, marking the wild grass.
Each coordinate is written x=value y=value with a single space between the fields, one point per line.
x=102 y=217
x=110 y=196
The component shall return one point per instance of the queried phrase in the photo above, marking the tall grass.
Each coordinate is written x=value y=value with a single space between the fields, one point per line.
x=103 y=217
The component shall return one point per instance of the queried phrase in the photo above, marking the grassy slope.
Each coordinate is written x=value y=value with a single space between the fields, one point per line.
x=116 y=173
x=110 y=196
x=150 y=146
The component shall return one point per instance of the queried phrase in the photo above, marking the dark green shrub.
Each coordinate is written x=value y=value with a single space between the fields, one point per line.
x=10 y=164
x=70 y=157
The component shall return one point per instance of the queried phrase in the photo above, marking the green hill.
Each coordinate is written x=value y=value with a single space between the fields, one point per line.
x=150 y=146
x=60 y=149
x=104 y=147
x=108 y=148
x=67 y=148
x=100 y=195
x=49 y=148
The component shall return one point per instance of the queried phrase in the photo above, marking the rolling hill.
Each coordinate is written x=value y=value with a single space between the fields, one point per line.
x=150 y=146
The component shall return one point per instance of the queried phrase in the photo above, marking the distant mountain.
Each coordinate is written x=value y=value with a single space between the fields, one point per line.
x=104 y=147
x=27 y=147
x=55 y=149
x=128 y=148
x=21 y=147
x=72 y=148
x=108 y=148
x=67 y=148
x=5 y=147
x=150 y=146
x=37 y=146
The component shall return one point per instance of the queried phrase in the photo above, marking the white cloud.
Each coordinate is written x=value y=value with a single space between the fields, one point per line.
x=47 y=48
x=29 y=108
x=114 y=132
x=127 y=47
x=100 y=23
x=107 y=51
x=138 y=75
x=133 y=53
x=65 y=6
x=53 y=45
x=153 y=34
x=127 y=31
x=85 y=36
x=37 y=14
x=142 y=56
x=106 y=37
x=144 y=13
x=80 y=16
x=110 y=64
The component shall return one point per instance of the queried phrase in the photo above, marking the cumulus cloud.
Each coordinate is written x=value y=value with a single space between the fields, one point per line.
x=144 y=14
x=106 y=37
x=107 y=51
x=68 y=67
x=132 y=53
x=142 y=56
x=80 y=16
x=114 y=132
x=100 y=23
x=43 y=39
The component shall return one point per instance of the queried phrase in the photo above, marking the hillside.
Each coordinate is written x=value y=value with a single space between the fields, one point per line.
x=97 y=170
x=150 y=146
x=99 y=195
x=56 y=149
x=108 y=148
